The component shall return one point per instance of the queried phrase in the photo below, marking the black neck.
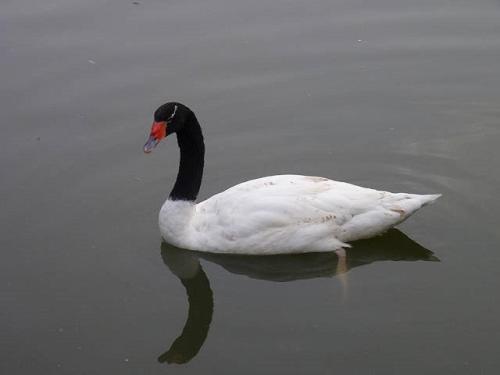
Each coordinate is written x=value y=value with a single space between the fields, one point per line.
x=190 y=140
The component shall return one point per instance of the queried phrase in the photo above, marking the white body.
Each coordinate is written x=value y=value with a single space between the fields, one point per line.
x=285 y=214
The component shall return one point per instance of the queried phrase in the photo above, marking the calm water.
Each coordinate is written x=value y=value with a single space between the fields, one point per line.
x=394 y=94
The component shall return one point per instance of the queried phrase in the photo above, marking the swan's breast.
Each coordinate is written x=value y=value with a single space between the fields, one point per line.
x=175 y=220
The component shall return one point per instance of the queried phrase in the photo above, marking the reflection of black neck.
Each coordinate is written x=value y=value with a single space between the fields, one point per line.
x=190 y=140
x=195 y=331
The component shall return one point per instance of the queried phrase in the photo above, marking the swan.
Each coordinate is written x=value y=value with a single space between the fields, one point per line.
x=269 y=215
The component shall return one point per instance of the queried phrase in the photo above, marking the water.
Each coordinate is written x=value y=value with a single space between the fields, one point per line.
x=396 y=95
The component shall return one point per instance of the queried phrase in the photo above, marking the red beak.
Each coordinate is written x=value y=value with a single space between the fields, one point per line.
x=158 y=132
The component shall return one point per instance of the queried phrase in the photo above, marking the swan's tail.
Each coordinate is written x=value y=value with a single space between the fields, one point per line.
x=396 y=208
x=427 y=199
x=408 y=204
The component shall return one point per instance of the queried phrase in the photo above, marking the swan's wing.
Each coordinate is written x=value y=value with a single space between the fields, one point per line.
x=288 y=197
x=291 y=213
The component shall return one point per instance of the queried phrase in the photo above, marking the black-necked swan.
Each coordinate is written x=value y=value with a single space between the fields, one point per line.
x=269 y=215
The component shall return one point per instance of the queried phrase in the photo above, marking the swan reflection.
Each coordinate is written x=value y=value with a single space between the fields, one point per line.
x=185 y=264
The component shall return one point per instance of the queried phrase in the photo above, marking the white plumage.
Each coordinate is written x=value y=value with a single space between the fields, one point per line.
x=285 y=214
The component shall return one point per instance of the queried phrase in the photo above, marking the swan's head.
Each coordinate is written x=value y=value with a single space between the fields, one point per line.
x=168 y=118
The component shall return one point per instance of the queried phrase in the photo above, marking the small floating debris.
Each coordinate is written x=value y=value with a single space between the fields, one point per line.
x=92 y=61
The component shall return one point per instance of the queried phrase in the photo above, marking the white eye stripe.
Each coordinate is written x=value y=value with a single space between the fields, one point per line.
x=173 y=114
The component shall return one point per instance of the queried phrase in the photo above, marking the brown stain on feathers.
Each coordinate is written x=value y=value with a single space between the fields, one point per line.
x=400 y=211
x=316 y=179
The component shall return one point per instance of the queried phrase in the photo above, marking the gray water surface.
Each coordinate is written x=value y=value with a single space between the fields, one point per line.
x=396 y=95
